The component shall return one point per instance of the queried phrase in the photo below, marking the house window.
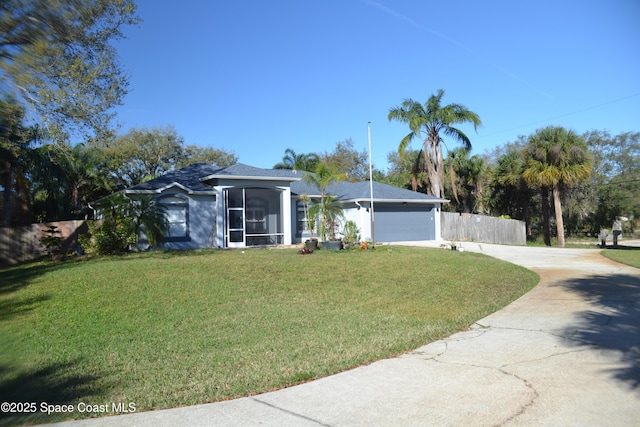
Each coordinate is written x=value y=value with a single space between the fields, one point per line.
x=177 y=214
x=256 y=220
x=302 y=220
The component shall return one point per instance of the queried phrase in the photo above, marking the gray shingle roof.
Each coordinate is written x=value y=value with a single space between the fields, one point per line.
x=187 y=177
x=242 y=170
x=361 y=191
x=193 y=177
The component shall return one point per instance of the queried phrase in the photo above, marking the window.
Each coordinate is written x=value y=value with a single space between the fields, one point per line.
x=302 y=219
x=177 y=214
x=256 y=220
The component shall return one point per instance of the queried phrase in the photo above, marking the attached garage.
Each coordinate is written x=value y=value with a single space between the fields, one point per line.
x=404 y=222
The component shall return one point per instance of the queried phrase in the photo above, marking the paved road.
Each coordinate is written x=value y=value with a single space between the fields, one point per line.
x=567 y=353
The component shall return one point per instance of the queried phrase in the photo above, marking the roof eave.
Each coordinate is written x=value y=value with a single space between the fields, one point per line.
x=168 y=186
x=248 y=177
x=420 y=201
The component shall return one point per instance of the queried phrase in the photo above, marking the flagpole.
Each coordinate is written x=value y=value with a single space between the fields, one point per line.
x=373 y=239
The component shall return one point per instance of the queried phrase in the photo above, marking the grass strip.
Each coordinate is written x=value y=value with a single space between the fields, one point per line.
x=628 y=255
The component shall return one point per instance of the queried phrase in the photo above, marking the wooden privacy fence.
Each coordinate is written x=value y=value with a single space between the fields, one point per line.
x=479 y=228
x=19 y=244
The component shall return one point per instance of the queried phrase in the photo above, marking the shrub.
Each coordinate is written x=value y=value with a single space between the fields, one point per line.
x=108 y=237
x=350 y=231
x=124 y=219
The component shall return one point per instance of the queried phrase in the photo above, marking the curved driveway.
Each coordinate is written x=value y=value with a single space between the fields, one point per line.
x=566 y=353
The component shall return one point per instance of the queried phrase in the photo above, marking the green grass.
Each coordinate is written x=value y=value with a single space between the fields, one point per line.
x=171 y=329
x=624 y=254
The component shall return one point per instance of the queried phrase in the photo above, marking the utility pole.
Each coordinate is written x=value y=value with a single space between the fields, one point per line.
x=373 y=239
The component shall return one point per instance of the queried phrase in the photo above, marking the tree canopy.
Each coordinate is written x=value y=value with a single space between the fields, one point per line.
x=146 y=153
x=433 y=121
x=303 y=162
x=557 y=157
x=58 y=57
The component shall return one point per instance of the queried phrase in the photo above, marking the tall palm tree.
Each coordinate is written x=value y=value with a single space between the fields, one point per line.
x=303 y=162
x=434 y=121
x=557 y=158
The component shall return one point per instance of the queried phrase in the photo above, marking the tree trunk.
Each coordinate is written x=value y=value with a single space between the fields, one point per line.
x=529 y=225
x=545 y=216
x=75 y=199
x=431 y=161
x=479 y=198
x=557 y=206
x=440 y=169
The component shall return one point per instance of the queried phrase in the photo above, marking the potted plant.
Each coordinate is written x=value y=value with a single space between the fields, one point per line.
x=327 y=210
x=351 y=234
x=330 y=214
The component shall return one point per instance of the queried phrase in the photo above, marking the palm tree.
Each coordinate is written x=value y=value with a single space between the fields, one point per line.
x=433 y=119
x=511 y=194
x=330 y=212
x=125 y=218
x=327 y=210
x=557 y=158
x=79 y=164
x=479 y=174
x=303 y=162
x=151 y=217
x=323 y=177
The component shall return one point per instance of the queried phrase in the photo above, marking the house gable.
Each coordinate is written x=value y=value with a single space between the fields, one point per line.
x=187 y=179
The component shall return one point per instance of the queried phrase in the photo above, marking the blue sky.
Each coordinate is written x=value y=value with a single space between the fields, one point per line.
x=256 y=77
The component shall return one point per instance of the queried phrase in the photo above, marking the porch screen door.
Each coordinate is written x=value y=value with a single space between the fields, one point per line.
x=234 y=199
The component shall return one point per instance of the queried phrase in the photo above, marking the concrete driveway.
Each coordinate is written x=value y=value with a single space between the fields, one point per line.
x=567 y=353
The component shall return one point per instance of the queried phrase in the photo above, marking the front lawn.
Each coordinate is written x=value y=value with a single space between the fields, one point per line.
x=161 y=330
x=624 y=254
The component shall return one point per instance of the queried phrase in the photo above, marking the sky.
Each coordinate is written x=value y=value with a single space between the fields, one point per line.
x=257 y=77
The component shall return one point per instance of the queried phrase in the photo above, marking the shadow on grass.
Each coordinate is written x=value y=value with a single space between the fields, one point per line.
x=15 y=277
x=56 y=384
x=10 y=307
x=615 y=322
x=622 y=248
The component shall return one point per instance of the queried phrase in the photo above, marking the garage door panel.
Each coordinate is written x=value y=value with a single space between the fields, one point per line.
x=407 y=223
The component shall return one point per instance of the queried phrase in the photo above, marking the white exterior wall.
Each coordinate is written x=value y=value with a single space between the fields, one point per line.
x=438 y=220
x=361 y=217
x=285 y=196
